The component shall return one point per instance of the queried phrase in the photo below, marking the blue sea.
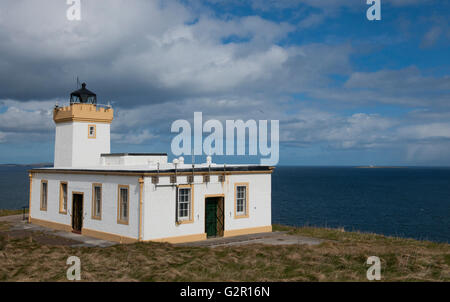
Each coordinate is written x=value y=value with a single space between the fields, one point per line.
x=406 y=202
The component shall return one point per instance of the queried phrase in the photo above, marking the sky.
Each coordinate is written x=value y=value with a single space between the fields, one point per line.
x=346 y=90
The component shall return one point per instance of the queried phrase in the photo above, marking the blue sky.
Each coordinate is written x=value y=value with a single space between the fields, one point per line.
x=347 y=91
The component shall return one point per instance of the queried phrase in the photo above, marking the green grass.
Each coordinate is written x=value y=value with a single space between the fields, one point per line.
x=11 y=212
x=342 y=257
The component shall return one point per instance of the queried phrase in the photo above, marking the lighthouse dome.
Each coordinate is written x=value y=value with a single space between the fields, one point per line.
x=83 y=95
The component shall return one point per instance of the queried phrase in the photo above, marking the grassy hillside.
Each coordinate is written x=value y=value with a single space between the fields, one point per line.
x=342 y=257
x=11 y=212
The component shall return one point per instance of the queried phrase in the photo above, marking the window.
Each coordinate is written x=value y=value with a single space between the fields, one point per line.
x=97 y=201
x=63 y=198
x=92 y=131
x=44 y=195
x=184 y=204
x=206 y=178
x=241 y=200
x=124 y=203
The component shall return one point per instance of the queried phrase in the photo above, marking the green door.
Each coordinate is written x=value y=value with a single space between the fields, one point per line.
x=211 y=217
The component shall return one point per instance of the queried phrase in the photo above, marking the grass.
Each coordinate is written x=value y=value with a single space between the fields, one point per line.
x=11 y=212
x=342 y=257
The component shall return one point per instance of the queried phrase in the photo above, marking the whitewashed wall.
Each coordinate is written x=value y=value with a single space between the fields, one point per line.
x=83 y=183
x=63 y=145
x=133 y=160
x=86 y=151
x=160 y=205
x=73 y=148
x=260 y=202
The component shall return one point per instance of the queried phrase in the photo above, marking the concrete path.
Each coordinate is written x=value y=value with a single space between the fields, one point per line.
x=76 y=240
x=12 y=218
x=18 y=224
x=274 y=238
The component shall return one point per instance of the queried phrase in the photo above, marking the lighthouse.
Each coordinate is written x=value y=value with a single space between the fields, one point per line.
x=82 y=130
x=130 y=197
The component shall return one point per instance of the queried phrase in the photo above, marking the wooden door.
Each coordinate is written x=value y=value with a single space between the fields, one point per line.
x=211 y=217
x=214 y=216
x=77 y=213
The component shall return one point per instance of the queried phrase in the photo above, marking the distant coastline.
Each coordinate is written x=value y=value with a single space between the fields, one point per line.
x=27 y=165
x=381 y=167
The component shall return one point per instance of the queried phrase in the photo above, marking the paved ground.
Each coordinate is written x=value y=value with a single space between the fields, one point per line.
x=274 y=238
x=20 y=228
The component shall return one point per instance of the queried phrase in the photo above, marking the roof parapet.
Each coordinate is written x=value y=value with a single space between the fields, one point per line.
x=81 y=112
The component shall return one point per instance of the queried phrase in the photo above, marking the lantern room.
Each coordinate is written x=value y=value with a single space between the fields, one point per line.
x=83 y=95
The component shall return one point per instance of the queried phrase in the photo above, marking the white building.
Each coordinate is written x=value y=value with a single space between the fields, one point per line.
x=140 y=197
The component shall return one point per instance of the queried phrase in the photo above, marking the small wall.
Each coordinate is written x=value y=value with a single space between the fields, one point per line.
x=133 y=160
x=106 y=228
x=160 y=206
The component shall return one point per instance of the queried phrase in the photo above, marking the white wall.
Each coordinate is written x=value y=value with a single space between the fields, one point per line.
x=63 y=145
x=87 y=151
x=260 y=202
x=159 y=205
x=134 y=160
x=83 y=183
x=73 y=147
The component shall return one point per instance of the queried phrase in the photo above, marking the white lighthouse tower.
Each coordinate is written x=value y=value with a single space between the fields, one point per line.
x=82 y=131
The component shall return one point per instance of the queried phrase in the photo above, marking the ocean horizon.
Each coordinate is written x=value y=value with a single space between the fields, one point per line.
x=403 y=201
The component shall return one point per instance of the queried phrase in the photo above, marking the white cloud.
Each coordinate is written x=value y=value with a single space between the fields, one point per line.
x=28 y=117
x=426 y=131
x=141 y=49
x=359 y=130
x=161 y=61
x=431 y=37
x=434 y=153
x=133 y=137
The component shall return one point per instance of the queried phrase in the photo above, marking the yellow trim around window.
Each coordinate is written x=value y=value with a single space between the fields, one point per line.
x=120 y=221
x=61 y=197
x=89 y=132
x=214 y=195
x=93 y=216
x=247 y=201
x=191 y=218
x=42 y=195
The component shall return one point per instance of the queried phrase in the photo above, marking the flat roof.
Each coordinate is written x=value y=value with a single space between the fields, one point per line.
x=163 y=169
x=133 y=154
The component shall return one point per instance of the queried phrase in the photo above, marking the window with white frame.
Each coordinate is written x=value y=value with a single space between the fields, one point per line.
x=63 y=198
x=44 y=195
x=123 y=204
x=184 y=204
x=241 y=200
x=97 y=201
